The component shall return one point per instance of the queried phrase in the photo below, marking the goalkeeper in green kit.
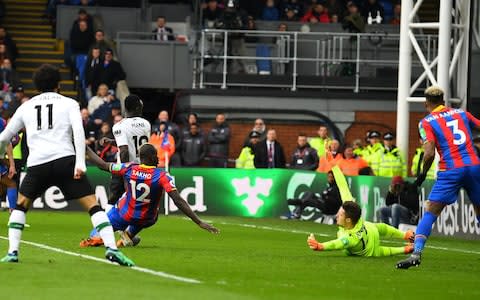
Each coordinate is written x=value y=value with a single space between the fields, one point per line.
x=358 y=237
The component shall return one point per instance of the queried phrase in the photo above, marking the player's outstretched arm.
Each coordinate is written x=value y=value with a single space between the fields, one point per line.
x=428 y=158
x=338 y=244
x=185 y=208
x=96 y=160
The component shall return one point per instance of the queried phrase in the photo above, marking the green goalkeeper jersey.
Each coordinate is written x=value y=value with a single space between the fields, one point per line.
x=361 y=240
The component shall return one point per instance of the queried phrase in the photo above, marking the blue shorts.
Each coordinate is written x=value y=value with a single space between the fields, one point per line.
x=119 y=223
x=448 y=184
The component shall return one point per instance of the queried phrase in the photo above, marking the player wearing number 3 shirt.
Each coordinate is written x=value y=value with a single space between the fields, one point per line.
x=130 y=133
x=449 y=131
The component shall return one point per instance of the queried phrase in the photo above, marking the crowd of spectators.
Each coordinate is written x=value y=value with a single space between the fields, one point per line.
x=218 y=13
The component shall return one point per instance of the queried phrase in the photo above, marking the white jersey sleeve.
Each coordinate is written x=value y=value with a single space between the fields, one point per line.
x=78 y=137
x=132 y=132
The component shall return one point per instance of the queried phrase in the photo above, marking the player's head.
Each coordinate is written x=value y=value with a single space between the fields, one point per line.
x=349 y=214
x=434 y=97
x=148 y=155
x=133 y=105
x=46 y=78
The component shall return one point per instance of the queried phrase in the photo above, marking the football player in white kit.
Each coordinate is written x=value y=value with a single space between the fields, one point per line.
x=51 y=120
x=130 y=134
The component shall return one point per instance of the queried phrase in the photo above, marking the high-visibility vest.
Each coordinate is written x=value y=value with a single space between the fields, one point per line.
x=17 y=150
x=417 y=164
x=389 y=163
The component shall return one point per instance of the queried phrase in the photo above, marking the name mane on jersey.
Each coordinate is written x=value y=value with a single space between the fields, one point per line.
x=137 y=125
x=443 y=114
x=141 y=174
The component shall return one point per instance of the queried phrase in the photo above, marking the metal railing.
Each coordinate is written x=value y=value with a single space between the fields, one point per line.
x=297 y=54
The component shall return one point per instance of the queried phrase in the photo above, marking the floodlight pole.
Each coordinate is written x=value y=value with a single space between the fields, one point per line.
x=404 y=78
x=448 y=65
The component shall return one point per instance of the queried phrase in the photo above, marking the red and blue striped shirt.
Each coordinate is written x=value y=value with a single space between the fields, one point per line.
x=451 y=131
x=143 y=191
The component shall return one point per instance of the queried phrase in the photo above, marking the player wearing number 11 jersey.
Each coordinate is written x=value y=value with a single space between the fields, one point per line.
x=130 y=133
x=56 y=143
x=450 y=132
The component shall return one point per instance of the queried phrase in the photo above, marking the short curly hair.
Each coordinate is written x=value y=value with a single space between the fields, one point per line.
x=46 y=78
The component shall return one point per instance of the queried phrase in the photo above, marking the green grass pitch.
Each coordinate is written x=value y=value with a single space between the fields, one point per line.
x=250 y=259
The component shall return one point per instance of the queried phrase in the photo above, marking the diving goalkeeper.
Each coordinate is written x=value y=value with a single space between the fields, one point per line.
x=358 y=237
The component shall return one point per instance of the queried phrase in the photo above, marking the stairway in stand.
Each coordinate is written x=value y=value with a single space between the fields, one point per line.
x=33 y=35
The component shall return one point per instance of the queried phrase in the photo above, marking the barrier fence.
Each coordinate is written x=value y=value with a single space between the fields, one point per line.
x=264 y=193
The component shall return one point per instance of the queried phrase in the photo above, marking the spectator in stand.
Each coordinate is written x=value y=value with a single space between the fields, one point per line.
x=320 y=142
x=304 y=157
x=390 y=162
x=88 y=127
x=247 y=156
x=251 y=25
x=317 y=14
x=81 y=38
x=290 y=15
x=211 y=14
x=106 y=151
x=371 y=9
x=292 y=10
x=354 y=21
x=9 y=43
x=92 y=71
x=193 y=147
x=3 y=108
x=270 y=11
x=17 y=100
x=331 y=157
x=101 y=42
x=328 y=202
x=103 y=96
x=417 y=163
x=162 y=32
x=375 y=147
x=218 y=141
x=402 y=203
x=351 y=164
x=174 y=131
x=269 y=153
x=165 y=149
x=397 y=9
x=282 y=27
x=116 y=119
x=9 y=77
x=358 y=148
x=4 y=52
x=111 y=72
x=260 y=128
x=335 y=8
x=105 y=112
x=192 y=119
x=172 y=128
x=84 y=16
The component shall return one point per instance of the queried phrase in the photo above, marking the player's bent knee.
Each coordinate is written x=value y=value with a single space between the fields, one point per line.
x=88 y=202
x=23 y=203
x=435 y=207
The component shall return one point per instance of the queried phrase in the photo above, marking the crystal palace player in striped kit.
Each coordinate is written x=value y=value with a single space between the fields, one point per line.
x=450 y=132
x=138 y=207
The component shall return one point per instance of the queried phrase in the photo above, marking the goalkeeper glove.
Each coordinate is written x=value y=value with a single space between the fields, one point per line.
x=313 y=244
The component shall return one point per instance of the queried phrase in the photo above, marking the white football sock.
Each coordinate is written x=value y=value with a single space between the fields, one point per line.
x=15 y=228
x=104 y=228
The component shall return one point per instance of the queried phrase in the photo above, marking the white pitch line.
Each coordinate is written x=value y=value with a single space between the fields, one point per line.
x=139 y=269
x=327 y=235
